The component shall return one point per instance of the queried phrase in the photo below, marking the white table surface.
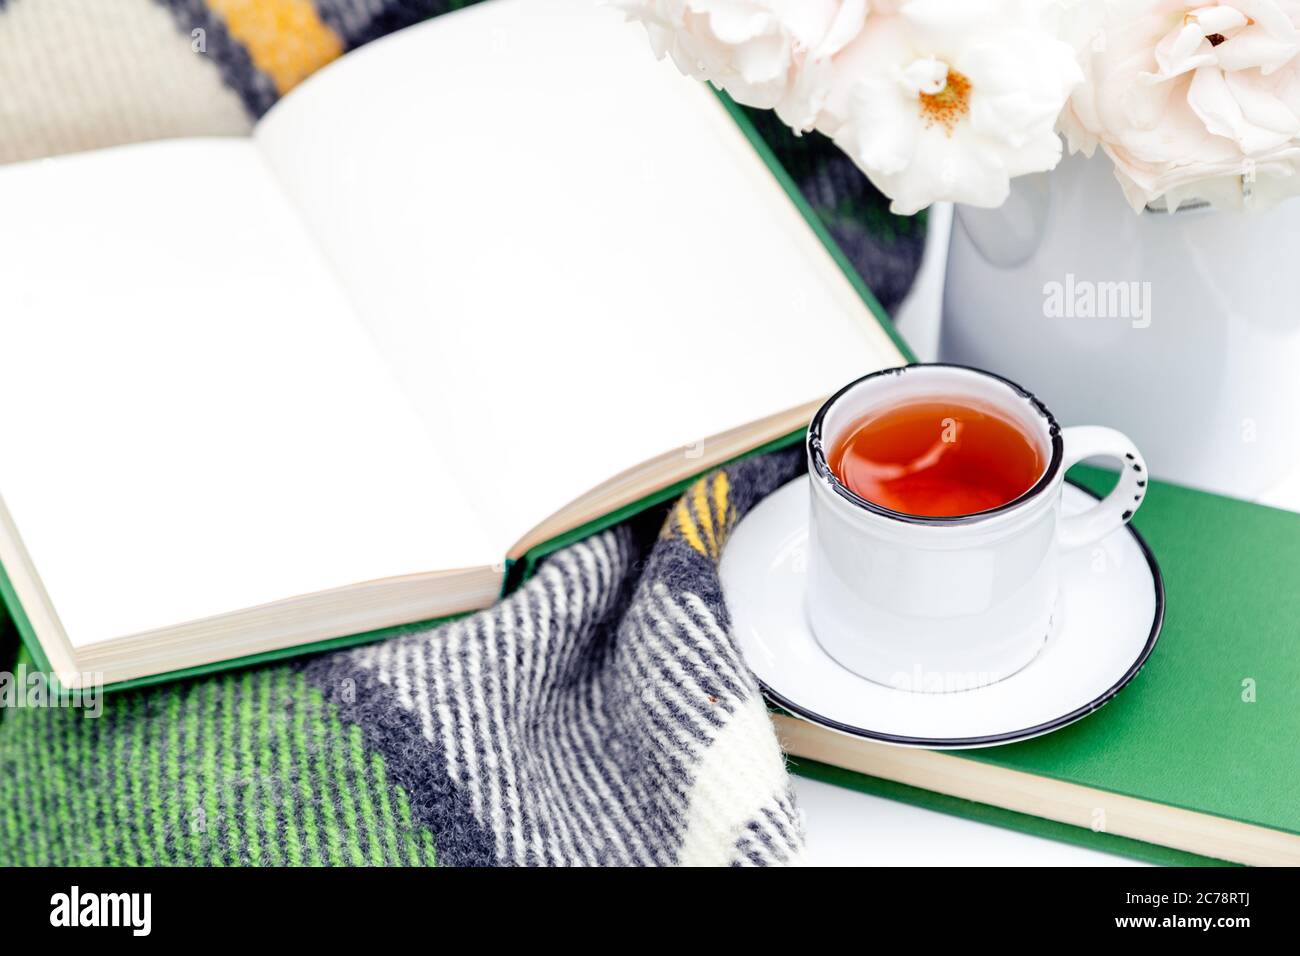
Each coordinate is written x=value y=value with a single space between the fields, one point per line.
x=847 y=828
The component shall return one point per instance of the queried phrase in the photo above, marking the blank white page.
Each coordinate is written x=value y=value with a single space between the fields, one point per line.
x=194 y=422
x=567 y=252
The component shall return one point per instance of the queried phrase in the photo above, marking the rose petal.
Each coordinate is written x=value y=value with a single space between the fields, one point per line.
x=1269 y=16
x=957 y=168
x=846 y=25
x=1217 y=19
x=763 y=60
x=1182 y=51
x=1255 y=47
x=1146 y=104
x=926 y=75
x=883 y=126
x=807 y=96
x=1041 y=152
x=734 y=23
x=939 y=18
x=1263 y=111
x=808 y=21
x=1213 y=102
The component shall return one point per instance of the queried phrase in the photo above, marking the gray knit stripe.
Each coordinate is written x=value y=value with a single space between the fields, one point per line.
x=724 y=681
x=597 y=834
x=717 y=686
x=610 y=560
x=506 y=811
x=560 y=846
x=584 y=743
x=602 y=713
x=775 y=836
x=587 y=566
x=699 y=622
x=692 y=703
x=564 y=597
x=606 y=774
x=562 y=816
x=615 y=837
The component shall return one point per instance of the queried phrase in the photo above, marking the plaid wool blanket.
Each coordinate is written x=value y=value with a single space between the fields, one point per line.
x=599 y=715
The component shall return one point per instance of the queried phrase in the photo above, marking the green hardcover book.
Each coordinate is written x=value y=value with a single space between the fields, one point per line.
x=360 y=370
x=1195 y=761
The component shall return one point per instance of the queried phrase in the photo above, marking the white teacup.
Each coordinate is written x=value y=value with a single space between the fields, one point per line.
x=949 y=603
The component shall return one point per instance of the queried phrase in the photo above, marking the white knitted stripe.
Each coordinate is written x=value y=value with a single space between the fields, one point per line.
x=596 y=565
x=591 y=591
x=698 y=627
x=602 y=833
x=678 y=708
x=559 y=842
x=592 y=835
x=381 y=660
x=423 y=706
x=608 y=779
x=82 y=74
x=740 y=775
x=583 y=740
x=695 y=610
x=661 y=731
x=502 y=661
x=449 y=718
x=439 y=715
x=485 y=737
x=519 y=705
x=730 y=687
x=402 y=672
x=571 y=597
x=681 y=709
x=510 y=833
x=468 y=766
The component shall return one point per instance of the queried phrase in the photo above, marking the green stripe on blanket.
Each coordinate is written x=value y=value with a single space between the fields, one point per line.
x=243 y=769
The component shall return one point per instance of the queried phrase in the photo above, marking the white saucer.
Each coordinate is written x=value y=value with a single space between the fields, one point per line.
x=1110 y=609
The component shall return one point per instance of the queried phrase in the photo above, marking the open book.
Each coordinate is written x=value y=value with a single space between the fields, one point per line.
x=469 y=288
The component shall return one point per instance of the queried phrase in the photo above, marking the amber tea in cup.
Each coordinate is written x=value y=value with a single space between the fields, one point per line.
x=937 y=458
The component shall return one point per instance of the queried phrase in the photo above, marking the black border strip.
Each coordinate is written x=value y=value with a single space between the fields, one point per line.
x=819 y=465
x=1012 y=736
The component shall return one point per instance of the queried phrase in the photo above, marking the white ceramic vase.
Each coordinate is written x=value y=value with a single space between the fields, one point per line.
x=1182 y=330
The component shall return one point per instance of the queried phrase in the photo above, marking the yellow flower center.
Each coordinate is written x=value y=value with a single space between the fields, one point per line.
x=946 y=107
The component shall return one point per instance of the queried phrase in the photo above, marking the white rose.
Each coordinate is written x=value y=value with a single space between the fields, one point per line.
x=770 y=54
x=1191 y=99
x=948 y=99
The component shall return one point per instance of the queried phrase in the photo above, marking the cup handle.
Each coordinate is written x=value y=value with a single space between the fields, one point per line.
x=1113 y=511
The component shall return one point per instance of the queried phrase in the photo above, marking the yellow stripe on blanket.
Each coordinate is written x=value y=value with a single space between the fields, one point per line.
x=685 y=526
x=703 y=516
x=286 y=39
